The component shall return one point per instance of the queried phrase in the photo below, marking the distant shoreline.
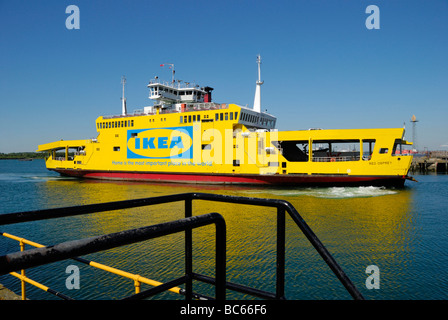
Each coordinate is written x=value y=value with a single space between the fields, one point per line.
x=22 y=156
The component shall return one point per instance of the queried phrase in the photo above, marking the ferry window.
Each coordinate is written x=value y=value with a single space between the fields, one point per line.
x=199 y=117
x=185 y=119
x=194 y=118
x=336 y=150
x=226 y=116
x=367 y=149
x=216 y=116
x=236 y=115
x=231 y=115
x=116 y=148
x=294 y=151
x=132 y=123
x=401 y=148
x=221 y=116
x=181 y=119
x=384 y=150
x=119 y=123
x=122 y=124
x=207 y=147
x=189 y=118
x=125 y=122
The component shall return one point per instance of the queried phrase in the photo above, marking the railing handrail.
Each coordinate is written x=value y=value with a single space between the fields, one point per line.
x=74 y=248
x=12 y=218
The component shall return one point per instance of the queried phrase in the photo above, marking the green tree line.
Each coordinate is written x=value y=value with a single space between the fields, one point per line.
x=22 y=155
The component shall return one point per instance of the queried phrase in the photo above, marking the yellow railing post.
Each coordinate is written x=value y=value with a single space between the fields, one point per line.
x=22 y=248
x=137 y=284
x=138 y=280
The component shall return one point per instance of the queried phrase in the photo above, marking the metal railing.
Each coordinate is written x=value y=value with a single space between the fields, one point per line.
x=34 y=257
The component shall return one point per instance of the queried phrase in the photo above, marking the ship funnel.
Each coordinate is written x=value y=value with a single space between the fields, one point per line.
x=257 y=99
x=123 y=99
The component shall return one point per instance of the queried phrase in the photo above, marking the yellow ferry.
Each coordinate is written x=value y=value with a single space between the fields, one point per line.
x=185 y=137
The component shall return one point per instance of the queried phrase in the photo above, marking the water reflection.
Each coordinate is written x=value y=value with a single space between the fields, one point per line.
x=359 y=226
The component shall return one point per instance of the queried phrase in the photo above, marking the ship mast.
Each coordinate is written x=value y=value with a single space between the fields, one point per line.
x=257 y=99
x=123 y=99
x=171 y=66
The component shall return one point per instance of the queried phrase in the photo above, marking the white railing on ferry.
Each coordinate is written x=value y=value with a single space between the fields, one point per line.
x=178 y=84
x=336 y=159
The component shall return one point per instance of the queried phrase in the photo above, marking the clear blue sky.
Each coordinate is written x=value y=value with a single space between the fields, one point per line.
x=322 y=67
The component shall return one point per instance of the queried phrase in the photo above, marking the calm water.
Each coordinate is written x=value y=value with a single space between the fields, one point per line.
x=403 y=232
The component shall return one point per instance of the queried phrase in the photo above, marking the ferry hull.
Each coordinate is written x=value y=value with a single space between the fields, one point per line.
x=247 y=179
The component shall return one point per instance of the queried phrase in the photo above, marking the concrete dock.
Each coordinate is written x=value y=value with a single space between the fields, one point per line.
x=435 y=161
x=6 y=294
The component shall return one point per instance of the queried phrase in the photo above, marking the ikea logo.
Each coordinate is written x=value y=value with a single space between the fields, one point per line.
x=163 y=143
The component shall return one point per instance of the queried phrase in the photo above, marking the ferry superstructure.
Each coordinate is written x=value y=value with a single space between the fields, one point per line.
x=185 y=137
